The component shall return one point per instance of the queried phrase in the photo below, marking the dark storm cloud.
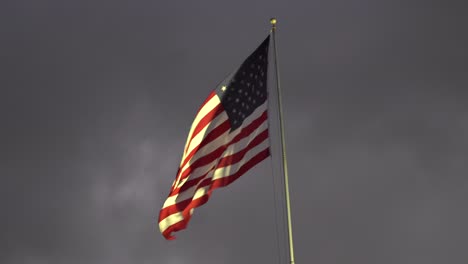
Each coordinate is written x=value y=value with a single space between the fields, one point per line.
x=97 y=98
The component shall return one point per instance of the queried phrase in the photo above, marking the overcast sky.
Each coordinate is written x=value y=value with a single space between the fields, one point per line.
x=97 y=98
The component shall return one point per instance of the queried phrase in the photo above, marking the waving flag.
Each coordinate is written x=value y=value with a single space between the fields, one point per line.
x=228 y=137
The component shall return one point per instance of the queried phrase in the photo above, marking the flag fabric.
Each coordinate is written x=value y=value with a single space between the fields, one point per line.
x=228 y=137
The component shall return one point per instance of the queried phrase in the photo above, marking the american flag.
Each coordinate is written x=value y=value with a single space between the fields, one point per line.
x=228 y=137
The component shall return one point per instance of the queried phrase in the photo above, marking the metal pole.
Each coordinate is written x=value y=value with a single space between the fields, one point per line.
x=283 y=144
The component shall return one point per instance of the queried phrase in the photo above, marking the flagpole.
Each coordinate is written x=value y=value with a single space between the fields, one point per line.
x=283 y=144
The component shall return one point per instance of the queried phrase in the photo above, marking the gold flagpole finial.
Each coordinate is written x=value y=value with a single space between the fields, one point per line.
x=273 y=22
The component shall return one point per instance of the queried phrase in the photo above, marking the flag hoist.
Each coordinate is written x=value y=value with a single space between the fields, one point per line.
x=228 y=137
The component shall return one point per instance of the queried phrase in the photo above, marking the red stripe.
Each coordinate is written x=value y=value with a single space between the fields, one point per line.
x=218 y=109
x=218 y=183
x=244 y=168
x=178 y=207
x=215 y=133
x=222 y=182
x=225 y=161
x=211 y=95
x=236 y=157
x=246 y=131
x=190 y=183
x=174 y=228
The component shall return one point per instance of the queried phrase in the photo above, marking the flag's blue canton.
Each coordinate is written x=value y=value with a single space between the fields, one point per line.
x=247 y=89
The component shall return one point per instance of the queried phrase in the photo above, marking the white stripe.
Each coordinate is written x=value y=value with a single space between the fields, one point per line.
x=213 y=146
x=220 y=172
x=170 y=220
x=171 y=200
x=234 y=168
x=233 y=148
x=206 y=108
x=223 y=138
x=221 y=118
x=201 y=191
